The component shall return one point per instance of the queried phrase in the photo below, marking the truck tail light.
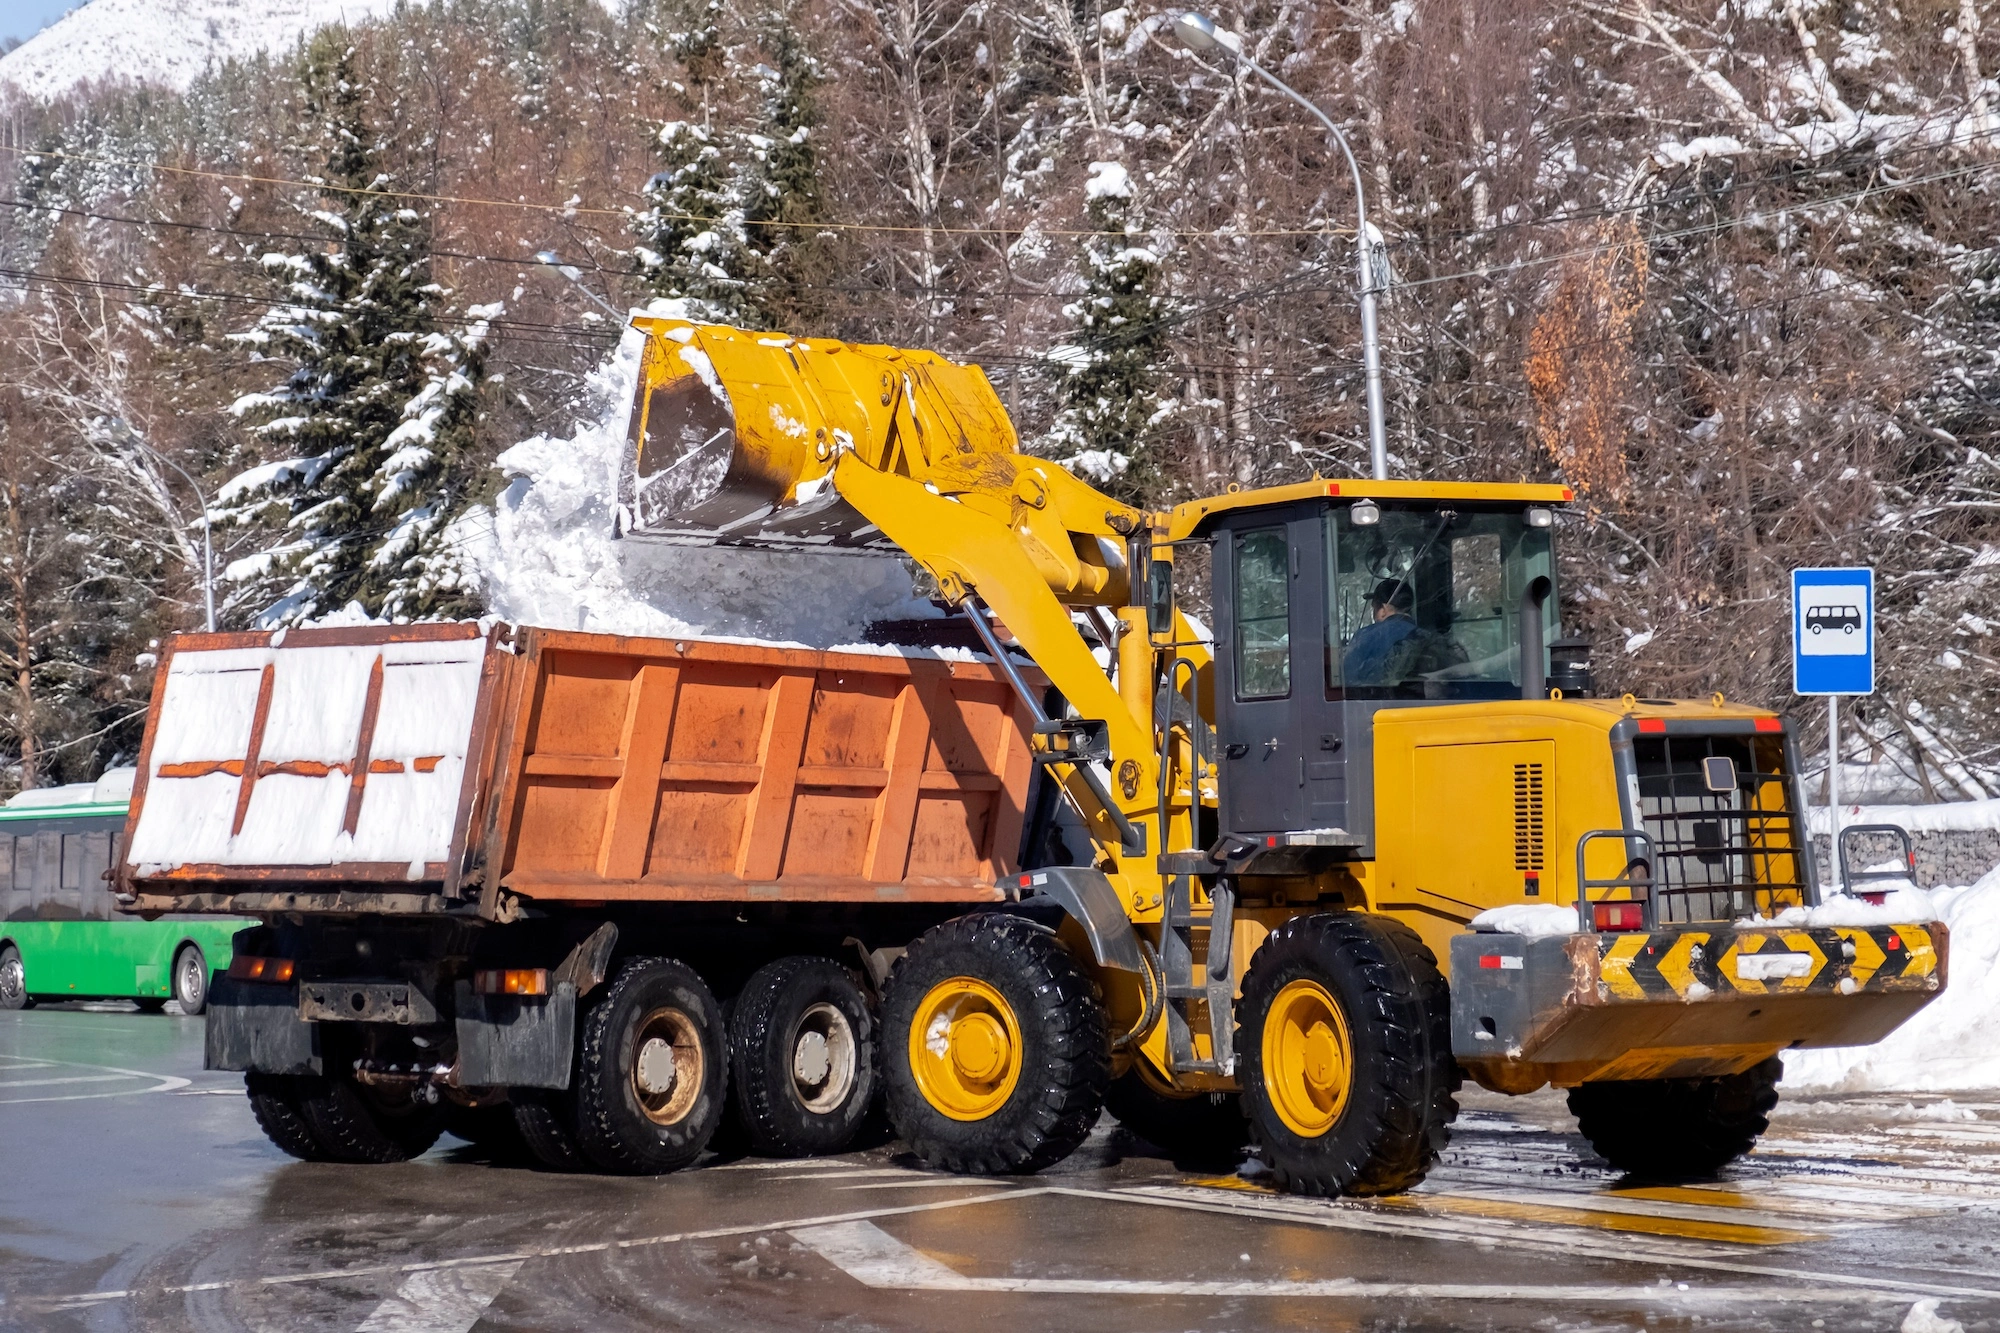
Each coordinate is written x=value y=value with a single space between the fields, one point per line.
x=1618 y=916
x=249 y=967
x=512 y=981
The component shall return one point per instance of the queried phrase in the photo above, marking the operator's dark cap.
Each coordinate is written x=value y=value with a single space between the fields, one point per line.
x=1392 y=592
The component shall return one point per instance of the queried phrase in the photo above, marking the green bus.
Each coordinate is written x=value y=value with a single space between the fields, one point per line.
x=61 y=935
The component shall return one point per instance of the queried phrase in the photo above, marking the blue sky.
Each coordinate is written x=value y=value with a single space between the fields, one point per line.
x=25 y=18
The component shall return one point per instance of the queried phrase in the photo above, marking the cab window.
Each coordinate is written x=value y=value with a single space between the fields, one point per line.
x=1263 y=614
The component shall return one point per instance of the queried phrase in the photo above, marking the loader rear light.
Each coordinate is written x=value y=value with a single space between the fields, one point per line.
x=1618 y=916
x=1653 y=726
x=272 y=971
x=512 y=981
x=1769 y=724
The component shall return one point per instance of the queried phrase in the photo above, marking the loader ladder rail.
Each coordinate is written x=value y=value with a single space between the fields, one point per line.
x=1180 y=920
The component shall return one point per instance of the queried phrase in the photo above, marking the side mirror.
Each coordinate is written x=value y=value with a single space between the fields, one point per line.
x=1159 y=597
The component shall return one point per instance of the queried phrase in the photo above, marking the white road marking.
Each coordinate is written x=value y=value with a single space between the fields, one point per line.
x=1575 y=1241
x=88 y=1299
x=925 y=1183
x=448 y=1300
x=876 y=1259
x=5 y=1084
x=110 y=1073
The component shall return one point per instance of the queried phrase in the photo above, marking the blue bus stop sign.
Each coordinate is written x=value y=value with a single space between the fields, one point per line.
x=1833 y=631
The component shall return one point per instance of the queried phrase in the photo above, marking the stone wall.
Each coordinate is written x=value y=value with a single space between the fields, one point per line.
x=1956 y=857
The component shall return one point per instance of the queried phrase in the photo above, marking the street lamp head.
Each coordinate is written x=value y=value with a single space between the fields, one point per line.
x=1196 y=31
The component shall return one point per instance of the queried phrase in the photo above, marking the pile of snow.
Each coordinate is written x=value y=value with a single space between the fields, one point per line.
x=1531 y=919
x=1953 y=1043
x=555 y=561
x=1902 y=902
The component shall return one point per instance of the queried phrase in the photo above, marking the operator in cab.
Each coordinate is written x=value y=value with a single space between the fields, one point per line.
x=1375 y=645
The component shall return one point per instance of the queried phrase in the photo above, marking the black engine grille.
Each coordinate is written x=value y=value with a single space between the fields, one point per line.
x=1719 y=855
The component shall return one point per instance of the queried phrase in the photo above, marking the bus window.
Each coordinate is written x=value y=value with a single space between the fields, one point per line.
x=72 y=863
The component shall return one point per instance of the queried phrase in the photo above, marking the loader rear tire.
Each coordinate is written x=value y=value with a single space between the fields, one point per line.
x=801 y=1058
x=1343 y=1047
x=994 y=1054
x=1677 y=1128
x=651 y=1070
x=275 y=1101
x=1205 y=1128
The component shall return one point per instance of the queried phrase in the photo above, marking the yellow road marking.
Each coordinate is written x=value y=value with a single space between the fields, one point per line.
x=1735 y=1233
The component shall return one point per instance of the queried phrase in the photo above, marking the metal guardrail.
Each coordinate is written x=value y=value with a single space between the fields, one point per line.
x=1850 y=877
x=1636 y=879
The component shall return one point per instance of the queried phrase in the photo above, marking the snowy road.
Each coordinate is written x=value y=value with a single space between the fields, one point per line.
x=148 y=1199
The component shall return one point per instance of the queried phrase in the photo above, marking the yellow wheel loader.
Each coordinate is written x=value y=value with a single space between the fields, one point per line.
x=1282 y=825
x=1287 y=875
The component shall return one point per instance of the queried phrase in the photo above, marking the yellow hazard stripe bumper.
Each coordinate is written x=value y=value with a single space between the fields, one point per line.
x=1692 y=963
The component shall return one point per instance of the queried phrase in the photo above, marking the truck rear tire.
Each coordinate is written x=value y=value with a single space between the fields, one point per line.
x=355 y=1123
x=994 y=1052
x=275 y=1099
x=1205 y=1127
x=544 y=1120
x=651 y=1070
x=801 y=1058
x=1677 y=1128
x=1343 y=1045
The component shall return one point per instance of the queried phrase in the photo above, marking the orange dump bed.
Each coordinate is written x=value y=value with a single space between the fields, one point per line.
x=546 y=765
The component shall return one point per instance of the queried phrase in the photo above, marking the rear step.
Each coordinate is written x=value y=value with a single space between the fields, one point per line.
x=1218 y=988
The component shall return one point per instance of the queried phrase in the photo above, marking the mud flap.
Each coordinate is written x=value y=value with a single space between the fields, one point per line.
x=515 y=1041
x=257 y=1029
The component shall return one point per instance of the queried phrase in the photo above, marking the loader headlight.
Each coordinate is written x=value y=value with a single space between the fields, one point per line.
x=1540 y=517
x=1365 y=514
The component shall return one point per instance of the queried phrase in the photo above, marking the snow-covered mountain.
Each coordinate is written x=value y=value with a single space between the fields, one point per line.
x=164 y=41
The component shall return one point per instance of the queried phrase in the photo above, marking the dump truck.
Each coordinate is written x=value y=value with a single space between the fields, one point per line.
x=1265 y=819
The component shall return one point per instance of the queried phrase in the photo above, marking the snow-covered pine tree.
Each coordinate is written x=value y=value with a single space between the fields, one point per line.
x=378 y=415
x=692 y=242
x=1109 y=385
x=786 y=203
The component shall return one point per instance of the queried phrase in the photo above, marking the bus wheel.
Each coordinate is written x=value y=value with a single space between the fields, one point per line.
x=1343 y=1046
x=276 y=1100
x=191 y=980
x=355 y=1123
x=652 y=1064
x=802 y=1057
x=13 y=981
x=994 y=1053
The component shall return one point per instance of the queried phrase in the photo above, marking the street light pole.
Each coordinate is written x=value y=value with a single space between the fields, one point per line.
x=1199 y=33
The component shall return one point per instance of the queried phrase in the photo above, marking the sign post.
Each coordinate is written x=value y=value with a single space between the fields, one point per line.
x=1833 y=653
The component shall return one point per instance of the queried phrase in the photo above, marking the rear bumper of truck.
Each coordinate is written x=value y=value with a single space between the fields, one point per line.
x=1680 y=1001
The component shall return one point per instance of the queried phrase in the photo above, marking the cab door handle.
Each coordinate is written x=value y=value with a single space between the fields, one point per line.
x=1236 y=749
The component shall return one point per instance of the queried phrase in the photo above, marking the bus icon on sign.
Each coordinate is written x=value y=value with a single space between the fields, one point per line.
x=1845 y=619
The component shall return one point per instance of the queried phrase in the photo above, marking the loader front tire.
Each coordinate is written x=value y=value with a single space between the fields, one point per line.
x=1343 y=1046
x=994 y=1052
x=1677 y=1128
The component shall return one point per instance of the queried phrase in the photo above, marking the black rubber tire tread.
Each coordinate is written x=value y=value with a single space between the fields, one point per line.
x=1398 y=1116
x=1066 y=1054
x=1677 y=1128
x=351 y=1127
x=1206 y=1128
x=543 y=1119
x=610 y=1128
x=767 y=1009
x=275 y=1099
x=201 y=1000
x=490 y=1128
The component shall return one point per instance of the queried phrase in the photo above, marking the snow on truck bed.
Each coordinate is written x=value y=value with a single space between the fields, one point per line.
x=300 y=810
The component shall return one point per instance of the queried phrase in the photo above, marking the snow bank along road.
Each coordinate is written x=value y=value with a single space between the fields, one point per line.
x=149 y=1200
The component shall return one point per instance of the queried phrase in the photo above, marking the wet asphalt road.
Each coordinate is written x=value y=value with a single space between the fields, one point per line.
x=136 y=1192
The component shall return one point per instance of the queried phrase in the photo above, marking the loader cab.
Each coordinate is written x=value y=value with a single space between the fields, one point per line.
x=1331 y=608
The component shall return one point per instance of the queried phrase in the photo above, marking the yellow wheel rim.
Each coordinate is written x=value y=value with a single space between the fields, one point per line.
x=965 y=1049
x=1308 y=1058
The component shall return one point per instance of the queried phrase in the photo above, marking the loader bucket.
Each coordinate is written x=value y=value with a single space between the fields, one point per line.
x=733 y=433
